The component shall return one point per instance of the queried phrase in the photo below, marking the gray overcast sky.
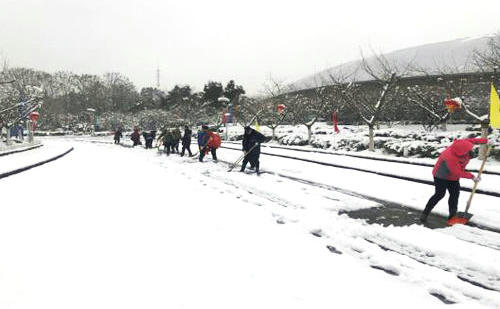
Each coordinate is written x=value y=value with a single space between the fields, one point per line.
x=197 y=41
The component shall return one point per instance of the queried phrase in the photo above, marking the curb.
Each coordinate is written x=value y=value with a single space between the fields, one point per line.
x=363 y=157
x=22 y=169
x=6 y=153
x=427 y=182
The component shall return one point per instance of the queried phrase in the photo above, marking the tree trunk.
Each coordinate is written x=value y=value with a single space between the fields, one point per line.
x=274 y=131
x=7 y=139
x=309 y=134
x=371 y=142
x=30 y=132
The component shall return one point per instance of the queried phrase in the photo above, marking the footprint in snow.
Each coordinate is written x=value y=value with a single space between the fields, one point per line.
x=386 y=270
x=333 y=249
x=317 y=233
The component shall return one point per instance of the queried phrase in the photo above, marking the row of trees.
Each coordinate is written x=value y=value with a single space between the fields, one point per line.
x=395 y=92
x=67 y=96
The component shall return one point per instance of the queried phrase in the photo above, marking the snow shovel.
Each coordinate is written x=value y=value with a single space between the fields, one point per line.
x=464 y=217
x=241 y=158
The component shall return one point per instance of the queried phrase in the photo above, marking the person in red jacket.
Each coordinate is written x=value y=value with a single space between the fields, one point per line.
x=208 y=141
x=449 y=168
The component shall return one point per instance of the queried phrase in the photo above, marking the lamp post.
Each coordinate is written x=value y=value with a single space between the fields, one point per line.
x=226 y=115
x=91 y=112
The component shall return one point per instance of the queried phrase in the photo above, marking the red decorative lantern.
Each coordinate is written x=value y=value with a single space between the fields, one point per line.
x=453 y=104
x=281 y=108
x=34 y=118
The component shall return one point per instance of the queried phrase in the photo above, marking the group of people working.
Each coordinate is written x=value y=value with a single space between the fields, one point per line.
x=208 y=142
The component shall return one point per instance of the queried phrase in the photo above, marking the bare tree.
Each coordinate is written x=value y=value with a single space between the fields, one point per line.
x=368 y=106
x=430 y=100
x=192 y=110
x=275 y=92
x=306 y=110
x=249 y=109
x=488 y=59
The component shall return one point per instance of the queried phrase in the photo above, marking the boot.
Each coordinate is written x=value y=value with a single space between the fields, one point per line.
x=423 y=217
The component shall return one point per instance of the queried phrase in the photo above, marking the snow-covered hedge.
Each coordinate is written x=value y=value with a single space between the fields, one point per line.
x=399 y=141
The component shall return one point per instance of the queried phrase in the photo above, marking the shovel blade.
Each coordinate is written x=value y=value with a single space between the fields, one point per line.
x=460 y=218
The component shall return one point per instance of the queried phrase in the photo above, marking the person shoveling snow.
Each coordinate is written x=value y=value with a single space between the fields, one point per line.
x=449 y=168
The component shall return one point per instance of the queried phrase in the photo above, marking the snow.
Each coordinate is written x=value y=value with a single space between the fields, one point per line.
x=432 y=57
x=4 y=148
x=489 y=183
x=114 y=227
x=15 y=161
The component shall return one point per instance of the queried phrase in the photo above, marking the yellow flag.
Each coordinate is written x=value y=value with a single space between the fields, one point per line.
x=494 y=108
x=257 y=125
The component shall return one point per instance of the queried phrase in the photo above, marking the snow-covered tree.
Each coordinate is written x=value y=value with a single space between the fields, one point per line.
x=489 y=59
x=362 y=99
x=232 y=90
x=307 y=110
x=274 y=110
x=429 y=99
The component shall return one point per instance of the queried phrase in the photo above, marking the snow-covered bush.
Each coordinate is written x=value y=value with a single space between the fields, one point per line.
x=399 y=140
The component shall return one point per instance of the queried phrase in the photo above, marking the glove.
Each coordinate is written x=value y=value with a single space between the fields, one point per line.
x=477 y=179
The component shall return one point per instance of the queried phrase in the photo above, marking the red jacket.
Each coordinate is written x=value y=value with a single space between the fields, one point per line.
x=453 y=160
x=214 y=141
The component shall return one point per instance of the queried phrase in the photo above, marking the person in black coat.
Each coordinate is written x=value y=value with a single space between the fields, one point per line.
x=118 y=135
x=186 y=141
x=148 y=138
x=251 y=147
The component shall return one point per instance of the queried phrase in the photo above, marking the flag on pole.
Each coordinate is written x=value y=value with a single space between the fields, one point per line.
x=335 y=121
x=494 y=108
x=257 y=125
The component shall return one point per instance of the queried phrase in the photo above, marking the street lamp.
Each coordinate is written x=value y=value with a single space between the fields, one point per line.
x=92 y=117
x=227 y=114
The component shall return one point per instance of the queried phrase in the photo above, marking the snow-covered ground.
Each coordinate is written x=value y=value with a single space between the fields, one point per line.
x=114 y=227
x=19 y=160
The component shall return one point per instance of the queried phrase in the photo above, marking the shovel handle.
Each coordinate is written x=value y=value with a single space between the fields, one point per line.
x=479 y=175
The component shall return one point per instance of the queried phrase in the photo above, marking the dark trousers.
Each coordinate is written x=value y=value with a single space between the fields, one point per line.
x=167 y=148
x=212 y=150
x=184 y=147
x=254 y=162
x=441 y=185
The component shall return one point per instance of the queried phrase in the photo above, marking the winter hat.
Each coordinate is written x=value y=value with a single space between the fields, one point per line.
x=461 y=147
